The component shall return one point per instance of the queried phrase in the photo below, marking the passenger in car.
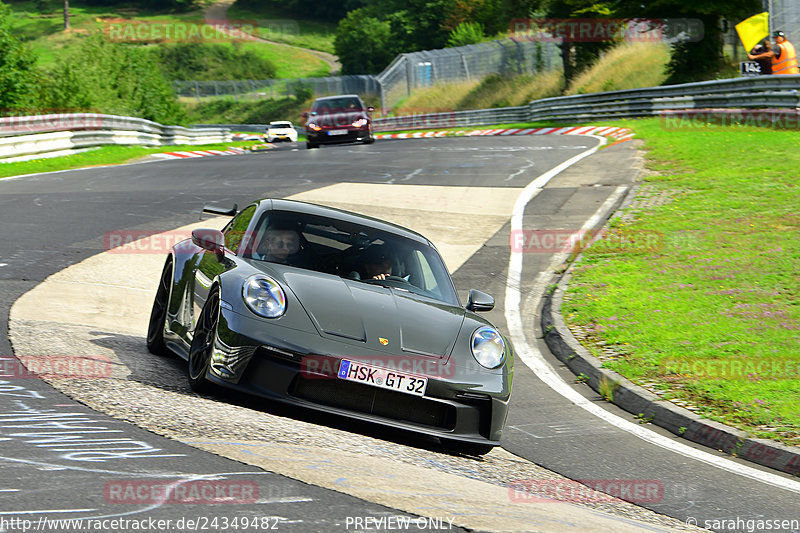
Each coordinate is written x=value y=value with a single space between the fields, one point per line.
x=282 y=244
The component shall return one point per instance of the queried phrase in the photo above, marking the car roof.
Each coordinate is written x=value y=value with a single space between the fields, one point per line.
x=337 y=96
x=341 y=214
x=280 y=122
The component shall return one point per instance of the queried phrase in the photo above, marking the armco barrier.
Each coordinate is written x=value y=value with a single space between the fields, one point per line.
x=775 y=92
x=22 y=136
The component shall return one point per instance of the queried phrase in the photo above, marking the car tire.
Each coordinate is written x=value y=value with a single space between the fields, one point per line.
x=370 y=140
x=205 y=335
x=158 y=315
x=311 y=145
x=467 y=448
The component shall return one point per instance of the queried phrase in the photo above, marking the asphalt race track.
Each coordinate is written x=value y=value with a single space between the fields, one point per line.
x=458 y=191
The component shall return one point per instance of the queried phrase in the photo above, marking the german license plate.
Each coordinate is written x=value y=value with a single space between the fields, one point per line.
x=337 y=132
x=382 y=378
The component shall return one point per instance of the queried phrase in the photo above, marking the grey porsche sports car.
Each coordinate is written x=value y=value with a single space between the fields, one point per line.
x=334 y=311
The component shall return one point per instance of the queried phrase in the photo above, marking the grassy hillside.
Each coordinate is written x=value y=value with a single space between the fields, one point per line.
x=227 y=111
x=628 y=66
x=42 y=28
x=614 y=71
x=277 y=25
x=493 y=91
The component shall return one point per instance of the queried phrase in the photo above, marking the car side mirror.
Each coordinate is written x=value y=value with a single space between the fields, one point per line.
x=479 y=301
x=370 y=109
x=209 y=239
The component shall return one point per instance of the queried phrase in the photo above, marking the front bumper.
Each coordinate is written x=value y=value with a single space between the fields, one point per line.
x=352 y=135
x=460 y=403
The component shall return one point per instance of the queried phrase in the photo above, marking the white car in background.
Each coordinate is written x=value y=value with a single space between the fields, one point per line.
x=280 y=131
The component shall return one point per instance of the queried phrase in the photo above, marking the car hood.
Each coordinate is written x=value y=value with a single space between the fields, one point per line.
x=386 y=319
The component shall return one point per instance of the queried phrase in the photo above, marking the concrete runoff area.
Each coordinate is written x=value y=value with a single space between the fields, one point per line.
x=76 y=305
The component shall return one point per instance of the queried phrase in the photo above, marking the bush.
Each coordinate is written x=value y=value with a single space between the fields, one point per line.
x=17 y=74
x=110 y=78
x=466 y=33
x=211 y=62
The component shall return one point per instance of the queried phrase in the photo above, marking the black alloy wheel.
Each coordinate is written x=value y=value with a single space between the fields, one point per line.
x=202 y=348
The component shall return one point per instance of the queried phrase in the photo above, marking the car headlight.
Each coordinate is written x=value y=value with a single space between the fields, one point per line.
x=313 y=126
x=264 y=296
x=360 y=123
x=488 y=347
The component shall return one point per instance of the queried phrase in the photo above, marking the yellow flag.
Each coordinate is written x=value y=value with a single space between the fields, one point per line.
x=754 y=29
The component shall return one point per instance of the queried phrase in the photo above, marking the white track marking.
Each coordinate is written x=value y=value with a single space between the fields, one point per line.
x=411 y=175
x=532 y=358
x=521 y=170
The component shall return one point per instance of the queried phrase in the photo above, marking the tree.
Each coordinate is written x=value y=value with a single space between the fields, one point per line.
x=466 y=33
x=17 y=74
x=66 y=15
x=363 y=43
x=110 y=78
x=694 y=59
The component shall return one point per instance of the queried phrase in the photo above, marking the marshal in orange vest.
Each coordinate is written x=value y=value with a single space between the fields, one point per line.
x=786 y=63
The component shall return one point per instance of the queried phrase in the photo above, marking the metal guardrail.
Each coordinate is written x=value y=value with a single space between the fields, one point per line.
x=39 y=134
x=772 y=92
x=454 y=119
x=761 y=92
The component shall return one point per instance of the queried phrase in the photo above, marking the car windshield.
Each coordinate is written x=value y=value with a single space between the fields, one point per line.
x=337 y=105
x=280 y=125
x=353 y=251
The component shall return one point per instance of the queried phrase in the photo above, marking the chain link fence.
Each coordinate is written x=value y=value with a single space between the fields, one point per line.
x=785 y=16
x=406 y=73
x=464 y=63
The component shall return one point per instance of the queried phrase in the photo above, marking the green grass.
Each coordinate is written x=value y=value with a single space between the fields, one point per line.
x=627 y=66
x=228 y=111
x=43 y=32
x=492 y=91
x=712 y=315
x=105 y=155
x=280 y=26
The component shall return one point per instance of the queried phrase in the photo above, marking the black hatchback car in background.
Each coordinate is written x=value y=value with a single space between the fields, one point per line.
x=338 y=119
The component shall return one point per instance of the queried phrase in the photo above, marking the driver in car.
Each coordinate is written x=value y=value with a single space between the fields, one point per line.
x=280 y=244
x=377 y=262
